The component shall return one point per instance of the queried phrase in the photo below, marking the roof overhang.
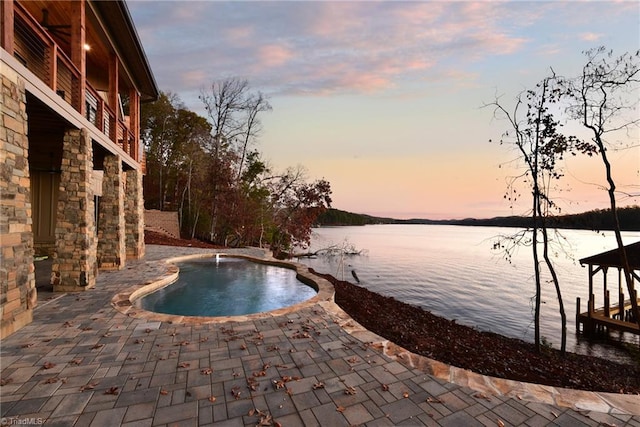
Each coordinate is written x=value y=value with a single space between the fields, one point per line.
x=117 y=19
x=612 y=258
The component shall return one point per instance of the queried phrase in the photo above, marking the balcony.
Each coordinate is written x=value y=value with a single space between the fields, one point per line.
x=36 y=49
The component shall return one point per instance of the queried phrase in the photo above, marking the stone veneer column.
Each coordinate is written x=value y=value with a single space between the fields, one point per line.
x=112 y=251
x=17 y=275
x=134 y=214
x=74 y=264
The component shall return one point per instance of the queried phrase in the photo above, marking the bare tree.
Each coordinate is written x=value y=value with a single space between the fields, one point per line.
x=252 y=126
x=223 y=101
x=605 y=101
x=540 y=145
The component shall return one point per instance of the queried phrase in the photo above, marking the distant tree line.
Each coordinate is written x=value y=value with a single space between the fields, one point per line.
x=337 y=217
x=209 y=170
x=598 y=220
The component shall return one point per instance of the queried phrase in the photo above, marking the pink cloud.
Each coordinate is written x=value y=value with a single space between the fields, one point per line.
x=274 y=55
x=240 y=36
x=590 y=37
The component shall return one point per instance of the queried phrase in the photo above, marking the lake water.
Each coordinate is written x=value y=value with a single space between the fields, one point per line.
x=454 y=272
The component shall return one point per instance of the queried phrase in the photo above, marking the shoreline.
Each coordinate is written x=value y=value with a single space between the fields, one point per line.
x=486 y=353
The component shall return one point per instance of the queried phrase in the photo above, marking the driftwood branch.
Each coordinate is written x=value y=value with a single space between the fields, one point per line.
x=345 y=249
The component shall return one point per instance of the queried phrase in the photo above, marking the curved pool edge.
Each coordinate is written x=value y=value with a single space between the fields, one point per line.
x=125 y=302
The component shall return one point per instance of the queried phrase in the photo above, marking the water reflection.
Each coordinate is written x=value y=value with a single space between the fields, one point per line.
x=453 y=272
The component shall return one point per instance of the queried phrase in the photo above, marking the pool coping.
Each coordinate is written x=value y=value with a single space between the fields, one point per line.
x=485 y=386
x=125 y=302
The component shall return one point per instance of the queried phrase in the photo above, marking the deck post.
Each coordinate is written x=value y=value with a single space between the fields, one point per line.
x=604 y=281
x=607 y=309
x=578 y=314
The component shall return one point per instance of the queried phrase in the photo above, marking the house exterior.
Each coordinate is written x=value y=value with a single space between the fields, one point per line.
x=71 y=163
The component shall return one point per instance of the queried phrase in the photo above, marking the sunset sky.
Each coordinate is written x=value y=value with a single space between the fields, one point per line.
x=384 y=99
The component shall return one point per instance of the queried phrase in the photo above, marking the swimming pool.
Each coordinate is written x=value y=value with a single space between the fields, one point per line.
x=225 y=286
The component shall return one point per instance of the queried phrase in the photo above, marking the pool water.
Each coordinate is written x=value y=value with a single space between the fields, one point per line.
x=228 y=287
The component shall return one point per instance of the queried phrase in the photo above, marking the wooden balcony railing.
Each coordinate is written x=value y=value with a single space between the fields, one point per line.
x=38 y=52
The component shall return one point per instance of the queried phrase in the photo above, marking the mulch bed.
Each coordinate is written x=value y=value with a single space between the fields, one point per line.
x=444 y=340
x=486 y=353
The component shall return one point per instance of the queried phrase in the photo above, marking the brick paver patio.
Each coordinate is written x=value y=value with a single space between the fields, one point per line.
x=83 y=363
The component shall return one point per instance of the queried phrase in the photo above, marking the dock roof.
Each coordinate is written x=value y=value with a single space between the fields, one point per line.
x=612 y=258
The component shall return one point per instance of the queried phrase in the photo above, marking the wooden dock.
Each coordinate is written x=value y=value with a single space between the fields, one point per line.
x=624 y=315
x=607 y=318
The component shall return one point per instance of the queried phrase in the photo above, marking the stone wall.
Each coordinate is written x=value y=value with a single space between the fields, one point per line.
x=134 y=214
x=163 y=222
x=17 y=277
x=75 y=265
x=111 y=239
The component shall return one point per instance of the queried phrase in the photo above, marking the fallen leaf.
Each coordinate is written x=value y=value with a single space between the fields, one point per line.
x=183 y=365
x=318 y=385
x=212 y=399
x=235 y=391
x=433 y=400
x=148 y=330
x=554 y=414
x=48 y=365
x=385 y=387
x=139 y=341
x=350 y=390
x=340 y=408
x=97 y=346
x=5 y=381
x=301 y=335
x=164 y=392
x=482 y=396
x=265 y=420
x=252 y=384
x=352 y=360
x=112 y=390
x=89 y=386
x=206 y=371
x=51 y=380
x=405 y=394
x=26 y=345
x=500 y=423
x=76 y=361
